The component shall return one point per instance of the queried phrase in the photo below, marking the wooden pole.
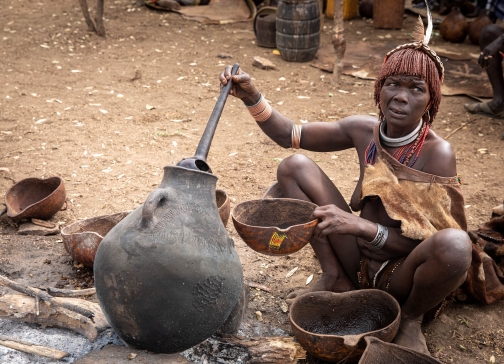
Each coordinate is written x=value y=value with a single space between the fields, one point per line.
x=30 y=348
x=338 y=40
x=85 y=11
x=100 y=28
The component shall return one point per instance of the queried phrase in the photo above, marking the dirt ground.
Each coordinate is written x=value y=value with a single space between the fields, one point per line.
x=107 y=114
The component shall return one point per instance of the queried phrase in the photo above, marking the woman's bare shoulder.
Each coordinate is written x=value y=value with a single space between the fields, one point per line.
x=441 y=157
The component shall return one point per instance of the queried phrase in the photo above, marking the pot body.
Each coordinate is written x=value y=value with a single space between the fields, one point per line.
x=167 y=276
x=477 y=26
x=454 y=27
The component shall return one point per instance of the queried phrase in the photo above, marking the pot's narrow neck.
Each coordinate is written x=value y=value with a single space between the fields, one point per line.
x=188 y=179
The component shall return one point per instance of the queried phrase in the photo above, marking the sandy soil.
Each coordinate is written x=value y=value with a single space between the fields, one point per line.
x=107 y=114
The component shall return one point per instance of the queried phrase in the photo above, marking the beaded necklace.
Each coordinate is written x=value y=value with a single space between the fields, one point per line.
x=407 y=154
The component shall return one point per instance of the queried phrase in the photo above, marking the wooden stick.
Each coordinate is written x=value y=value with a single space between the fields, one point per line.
x=58 y=292
x=44 y=296
x=260 y=286
x=30 y=348
x=457 y=129
x=85 y=11
x=100 y=28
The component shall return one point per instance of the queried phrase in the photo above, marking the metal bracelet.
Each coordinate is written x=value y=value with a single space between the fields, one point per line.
x=381 y=237
x=296 y=136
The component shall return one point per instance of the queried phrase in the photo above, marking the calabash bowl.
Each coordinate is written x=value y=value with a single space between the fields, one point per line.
x=35 y=198
x=82 y=238
x=277 y=226
x=331 y=326
x=223 y=205
x=274 y=191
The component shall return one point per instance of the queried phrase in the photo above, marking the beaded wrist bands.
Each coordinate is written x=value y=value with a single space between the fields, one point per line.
x=381 y=237
x=296 y=136
x=261 y=111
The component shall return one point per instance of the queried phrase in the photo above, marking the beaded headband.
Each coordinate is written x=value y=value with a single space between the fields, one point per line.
x=420 y=41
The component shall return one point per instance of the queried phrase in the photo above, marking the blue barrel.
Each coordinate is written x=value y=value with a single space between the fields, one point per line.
x=298 y=29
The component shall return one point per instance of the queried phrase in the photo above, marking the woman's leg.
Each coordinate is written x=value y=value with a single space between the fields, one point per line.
x=301 y=178
x=433 y=270
x=494 y=70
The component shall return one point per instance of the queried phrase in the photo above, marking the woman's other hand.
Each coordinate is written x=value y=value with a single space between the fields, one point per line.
x=491 y=51
x=242 y=87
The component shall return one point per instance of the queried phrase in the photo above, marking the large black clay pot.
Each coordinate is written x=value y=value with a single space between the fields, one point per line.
x=167 y=276
x=168 y=273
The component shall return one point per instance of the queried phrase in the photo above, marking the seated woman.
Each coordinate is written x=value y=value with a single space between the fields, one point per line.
x=409 y=239
x=492 y=51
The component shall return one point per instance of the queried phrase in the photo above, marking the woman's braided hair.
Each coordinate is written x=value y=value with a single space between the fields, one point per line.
x=414 y=59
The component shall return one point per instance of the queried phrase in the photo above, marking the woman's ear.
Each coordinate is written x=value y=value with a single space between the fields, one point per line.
x=426 y=116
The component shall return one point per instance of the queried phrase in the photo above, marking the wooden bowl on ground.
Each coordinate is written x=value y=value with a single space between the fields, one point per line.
x=35 y=198
x=331 y=326
x=379 y=352
x=82 y=238
x=274 y=191
x=277 y=226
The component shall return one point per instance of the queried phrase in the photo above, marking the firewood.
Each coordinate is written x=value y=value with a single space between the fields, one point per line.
x=30 y=348
x=272 y=350
x=23 y=308
x=44 y=296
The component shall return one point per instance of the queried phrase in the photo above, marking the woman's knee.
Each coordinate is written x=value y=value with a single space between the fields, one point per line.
x=292 y=165
x=489 y=34
x=453 y=247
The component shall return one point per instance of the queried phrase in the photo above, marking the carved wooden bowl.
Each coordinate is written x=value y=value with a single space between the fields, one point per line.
x=276 y=226
x=331 y=326
x=35 y=198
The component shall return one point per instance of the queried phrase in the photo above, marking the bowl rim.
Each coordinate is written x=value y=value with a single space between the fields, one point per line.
x=347 y=293
x=94 y=218
x=269 y=200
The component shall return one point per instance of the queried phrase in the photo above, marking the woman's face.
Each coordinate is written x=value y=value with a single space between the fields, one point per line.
x=403 y=101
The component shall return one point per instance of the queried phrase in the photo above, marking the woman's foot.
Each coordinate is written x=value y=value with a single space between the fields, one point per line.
x=487 y=108
x=325 y=283
x=410 y=336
